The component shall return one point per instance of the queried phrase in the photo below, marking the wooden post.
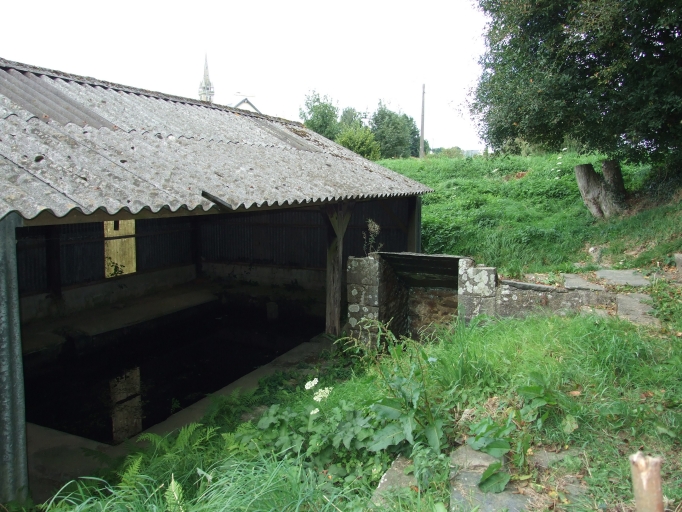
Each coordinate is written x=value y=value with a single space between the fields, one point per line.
x=414 y=224
x=196 y=244
x=53 y=260
x=421 y=133
x=646 y=482
x=339 y=216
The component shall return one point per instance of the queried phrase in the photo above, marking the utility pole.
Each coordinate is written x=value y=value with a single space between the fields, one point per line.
x=421 y=136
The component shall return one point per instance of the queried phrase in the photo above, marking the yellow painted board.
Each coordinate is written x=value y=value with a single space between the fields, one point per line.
x=120 y=255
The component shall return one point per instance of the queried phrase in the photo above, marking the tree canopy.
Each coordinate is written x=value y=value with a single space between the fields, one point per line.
x=360 y=139
x=320 y=115
x=389 y=134
x=604 y=73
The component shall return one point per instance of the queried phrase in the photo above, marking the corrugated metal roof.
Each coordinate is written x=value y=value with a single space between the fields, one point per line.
x=69 y=142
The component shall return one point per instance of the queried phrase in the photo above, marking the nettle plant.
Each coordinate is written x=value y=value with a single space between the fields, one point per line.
x=334 y=440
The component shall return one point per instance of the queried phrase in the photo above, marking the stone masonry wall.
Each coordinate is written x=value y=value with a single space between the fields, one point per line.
x=429 y=306
x=375 y=292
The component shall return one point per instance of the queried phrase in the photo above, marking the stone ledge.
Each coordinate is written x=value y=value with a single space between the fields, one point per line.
x=532 y=286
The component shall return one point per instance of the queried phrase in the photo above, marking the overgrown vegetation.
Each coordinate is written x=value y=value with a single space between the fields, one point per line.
x=604 y=387
x=320 y=437
x=524 y=213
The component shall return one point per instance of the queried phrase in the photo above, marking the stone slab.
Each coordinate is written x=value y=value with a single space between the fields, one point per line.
x=467 y=458
x=480 y=281
x=544 y=459
x=575 y=282
x=363 y=271
x=394 y=478
x=633 y=308
x=466 y=496
x=622 y=277
x=678 y=262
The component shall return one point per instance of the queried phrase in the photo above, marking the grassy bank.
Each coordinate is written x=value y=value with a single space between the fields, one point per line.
x=601 y=386
x=525 y=214
x=325 y=433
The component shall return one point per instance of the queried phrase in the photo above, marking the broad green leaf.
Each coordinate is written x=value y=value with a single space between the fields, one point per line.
x=409 y=424
x=433 y=432
x=537 y=403
x=439 y=507
x=531 y=392
x=663 y=430
x=489 y=471
x=569 y=424
x=538 y=378
x=493 y=480
x=388 y=408
x=497 y=448
x=389 y=435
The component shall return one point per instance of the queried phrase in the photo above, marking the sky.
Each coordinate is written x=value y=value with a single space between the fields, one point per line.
x=274 y=52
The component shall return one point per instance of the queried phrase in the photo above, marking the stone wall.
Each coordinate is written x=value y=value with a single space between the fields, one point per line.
x=429 y=306
x=377 y=292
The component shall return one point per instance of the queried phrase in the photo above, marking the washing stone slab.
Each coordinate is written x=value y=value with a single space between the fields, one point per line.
x=575 y=282
x=623 y=277
x=632 y=307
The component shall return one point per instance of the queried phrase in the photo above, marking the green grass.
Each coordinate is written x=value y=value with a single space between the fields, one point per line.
x=619 y=382
x=601 y=386
x=534 y=222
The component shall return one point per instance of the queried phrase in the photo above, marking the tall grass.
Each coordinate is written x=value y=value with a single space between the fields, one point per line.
x=525 y=214
x=262 y=483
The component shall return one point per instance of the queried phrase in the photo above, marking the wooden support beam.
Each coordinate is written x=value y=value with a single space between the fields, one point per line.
x=196 y=244
x=53 y=260
x=338 y=216
x=414 y=224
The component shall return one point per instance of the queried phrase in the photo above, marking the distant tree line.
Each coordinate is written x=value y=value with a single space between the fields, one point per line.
x=383 y=134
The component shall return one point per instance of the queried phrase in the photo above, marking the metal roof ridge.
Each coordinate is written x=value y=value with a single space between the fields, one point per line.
x=5 y=63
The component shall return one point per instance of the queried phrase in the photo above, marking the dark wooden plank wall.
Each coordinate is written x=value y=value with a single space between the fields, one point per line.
x=285 y=238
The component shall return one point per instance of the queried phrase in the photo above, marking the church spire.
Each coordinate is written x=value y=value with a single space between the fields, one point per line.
x=205 y=87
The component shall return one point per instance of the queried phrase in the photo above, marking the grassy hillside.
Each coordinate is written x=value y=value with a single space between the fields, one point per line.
x=525 y=214
x=602 y=387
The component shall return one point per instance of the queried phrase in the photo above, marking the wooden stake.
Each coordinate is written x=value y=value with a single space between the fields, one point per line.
x=339 y=217
x=646 y=482
x=421 y=133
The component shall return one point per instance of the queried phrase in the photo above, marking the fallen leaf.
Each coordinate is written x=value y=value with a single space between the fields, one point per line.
x=678 y=334
x=575 y=393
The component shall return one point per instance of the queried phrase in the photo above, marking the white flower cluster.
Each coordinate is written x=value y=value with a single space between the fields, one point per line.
x=311 y=384
x=314 y=411
x=322 y=394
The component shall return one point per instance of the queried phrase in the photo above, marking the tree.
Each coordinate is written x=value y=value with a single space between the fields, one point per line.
x=360 y=139
x=350 y=118
x=392 y=132
x=320 y=115
x=604 y=73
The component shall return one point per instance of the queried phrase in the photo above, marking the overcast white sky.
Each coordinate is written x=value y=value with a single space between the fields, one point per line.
x=356 y=52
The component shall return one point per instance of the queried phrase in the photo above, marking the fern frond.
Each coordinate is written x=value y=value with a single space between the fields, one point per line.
x=185 y=435
x=129 y=476
x=173 y=496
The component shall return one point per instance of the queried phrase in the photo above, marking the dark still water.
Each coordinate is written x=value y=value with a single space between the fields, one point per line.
x=181 y=359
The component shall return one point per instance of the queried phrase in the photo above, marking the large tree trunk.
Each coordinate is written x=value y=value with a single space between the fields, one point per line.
x=613 y=177
x=603 y=196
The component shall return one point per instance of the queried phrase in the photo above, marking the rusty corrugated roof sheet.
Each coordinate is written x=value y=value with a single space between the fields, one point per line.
x=70 y=142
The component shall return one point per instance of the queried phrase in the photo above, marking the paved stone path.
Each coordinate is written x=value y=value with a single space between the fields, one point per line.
x=622 y=277
x=632 y=307
x=575 y=282
x=467 y=465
